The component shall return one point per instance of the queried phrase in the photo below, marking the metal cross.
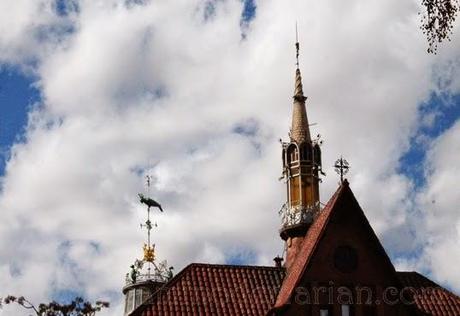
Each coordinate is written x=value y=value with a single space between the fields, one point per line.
x=341 y=167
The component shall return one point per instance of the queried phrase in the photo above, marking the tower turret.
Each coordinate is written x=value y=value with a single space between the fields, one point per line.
x=301 y=172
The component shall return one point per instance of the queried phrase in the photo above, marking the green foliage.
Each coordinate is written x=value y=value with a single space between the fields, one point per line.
x=438 y=21
x=78 y=307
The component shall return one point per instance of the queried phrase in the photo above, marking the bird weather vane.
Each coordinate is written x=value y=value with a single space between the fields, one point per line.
x=341 y=167
x=147 y=200
x=149 y=249
x=155 y=270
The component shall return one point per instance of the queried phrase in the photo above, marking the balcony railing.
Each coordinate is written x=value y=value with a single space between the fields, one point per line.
x=146 y=277
x=298 y=214
x=154 y=272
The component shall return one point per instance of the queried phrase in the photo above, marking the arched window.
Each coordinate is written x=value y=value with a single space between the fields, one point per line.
x=293 y=154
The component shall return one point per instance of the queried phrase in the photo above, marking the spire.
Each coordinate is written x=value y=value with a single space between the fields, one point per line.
x=298 y=90
x=301 y=170
x=300 y=131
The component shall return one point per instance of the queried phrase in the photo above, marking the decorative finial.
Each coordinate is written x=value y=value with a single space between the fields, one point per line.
x=148 y=178
x=149 y=253
x=297 y=45
x=341 y=167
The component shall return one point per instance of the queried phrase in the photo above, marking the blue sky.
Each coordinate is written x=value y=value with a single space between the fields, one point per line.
x=17 y=96
x=445 y=110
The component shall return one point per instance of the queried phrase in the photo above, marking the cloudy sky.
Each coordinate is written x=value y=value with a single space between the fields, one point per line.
x=97 y=94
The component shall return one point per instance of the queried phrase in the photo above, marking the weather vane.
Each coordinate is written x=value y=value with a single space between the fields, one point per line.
x=148 y=248
x=341 y=167
x=160 y=273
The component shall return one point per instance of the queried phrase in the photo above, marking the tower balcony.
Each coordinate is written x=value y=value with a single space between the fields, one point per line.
x=295 y=220
x=146 y=277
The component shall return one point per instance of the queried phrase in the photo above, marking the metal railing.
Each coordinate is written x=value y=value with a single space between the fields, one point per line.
x=143 y=277
x=298 y=214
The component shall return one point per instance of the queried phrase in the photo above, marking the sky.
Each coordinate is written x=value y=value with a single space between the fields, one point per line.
x=95 y=95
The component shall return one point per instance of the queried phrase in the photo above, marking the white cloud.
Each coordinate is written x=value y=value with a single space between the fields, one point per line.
x=439 y=201
x=31 y=30
x=159 y=89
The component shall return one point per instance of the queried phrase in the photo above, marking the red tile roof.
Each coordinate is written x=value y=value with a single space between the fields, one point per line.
x=207 y=289
x=429 y=297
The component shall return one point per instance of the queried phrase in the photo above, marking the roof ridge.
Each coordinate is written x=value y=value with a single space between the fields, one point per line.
x=235 y=266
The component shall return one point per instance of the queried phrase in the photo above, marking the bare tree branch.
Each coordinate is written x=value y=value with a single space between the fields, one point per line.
x=438 y=21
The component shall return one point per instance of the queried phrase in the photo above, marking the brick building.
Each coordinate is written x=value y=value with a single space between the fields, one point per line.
x=334 y=262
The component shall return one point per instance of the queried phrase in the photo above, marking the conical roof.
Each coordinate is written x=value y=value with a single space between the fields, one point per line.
x=300 y=130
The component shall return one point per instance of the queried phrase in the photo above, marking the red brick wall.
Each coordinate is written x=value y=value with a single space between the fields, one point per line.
x=347 y=227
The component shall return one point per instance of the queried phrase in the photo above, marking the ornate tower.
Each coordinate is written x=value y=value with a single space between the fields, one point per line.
x=147 y=275
x=301 y=170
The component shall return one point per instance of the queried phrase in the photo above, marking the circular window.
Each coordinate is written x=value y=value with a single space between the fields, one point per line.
x=345 y=259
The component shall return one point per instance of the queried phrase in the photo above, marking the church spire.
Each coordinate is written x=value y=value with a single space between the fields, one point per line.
x=301 y=171
x=300 y=131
